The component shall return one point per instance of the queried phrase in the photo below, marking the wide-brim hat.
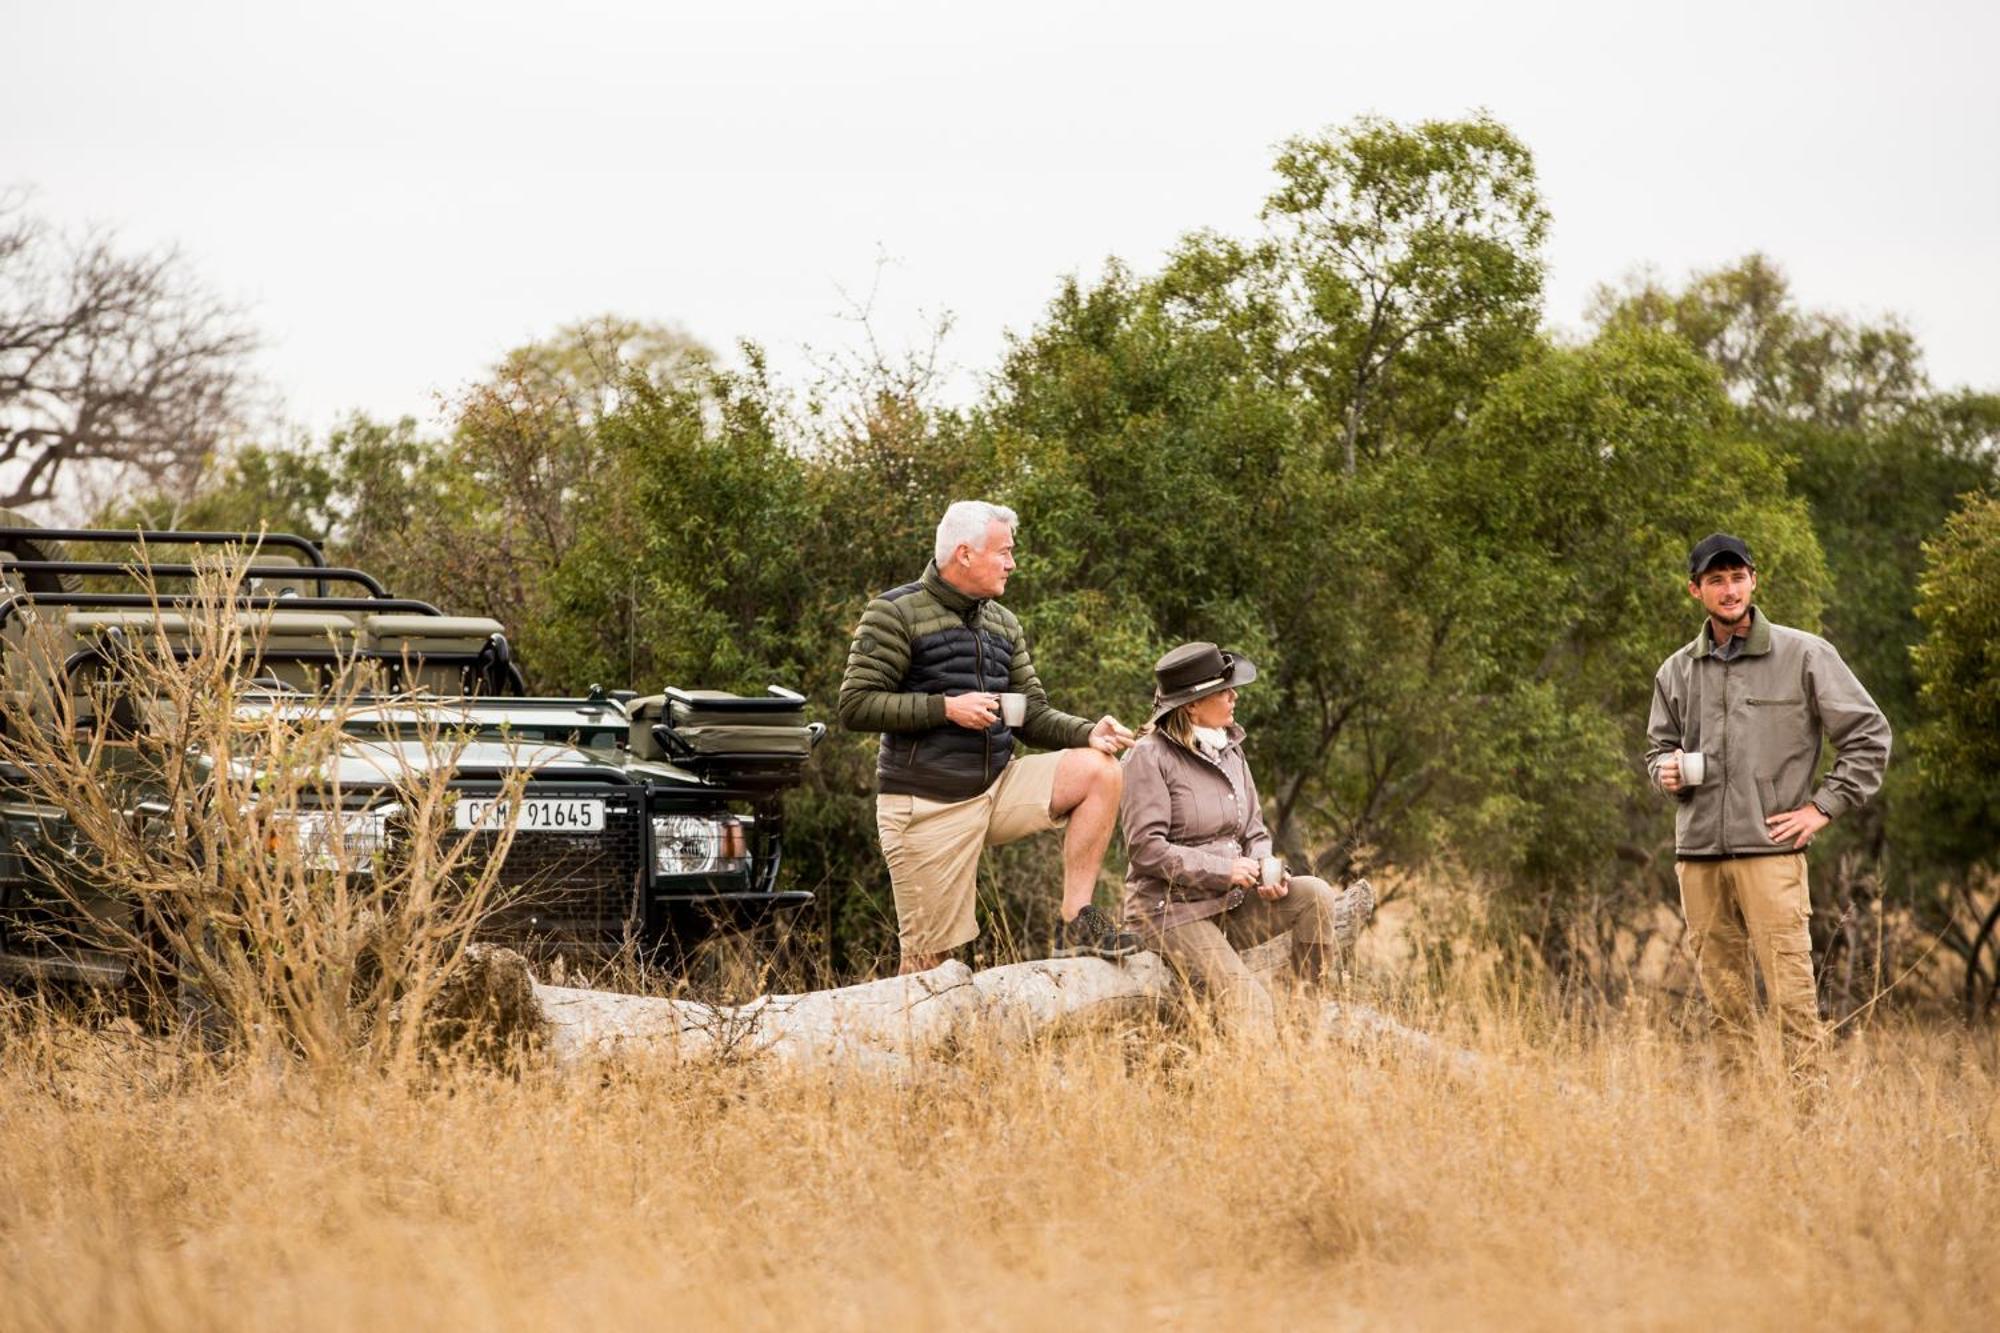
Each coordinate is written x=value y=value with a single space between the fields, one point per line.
x=1194 y=670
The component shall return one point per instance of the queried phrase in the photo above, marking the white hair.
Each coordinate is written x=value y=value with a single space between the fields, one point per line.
x=966 y=522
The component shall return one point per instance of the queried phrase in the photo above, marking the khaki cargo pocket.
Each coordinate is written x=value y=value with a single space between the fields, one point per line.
x=1791 y=988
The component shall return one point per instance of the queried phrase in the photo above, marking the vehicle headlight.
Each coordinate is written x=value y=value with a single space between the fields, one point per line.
x=698 y=844
x=335 y=839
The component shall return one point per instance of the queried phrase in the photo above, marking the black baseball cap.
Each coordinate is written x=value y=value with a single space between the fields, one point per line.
x=1718 y=548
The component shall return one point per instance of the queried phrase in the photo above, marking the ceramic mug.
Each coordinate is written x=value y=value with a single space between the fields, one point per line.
x=1694 y=768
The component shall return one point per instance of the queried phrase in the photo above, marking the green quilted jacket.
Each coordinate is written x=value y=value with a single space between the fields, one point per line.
x=915 y=646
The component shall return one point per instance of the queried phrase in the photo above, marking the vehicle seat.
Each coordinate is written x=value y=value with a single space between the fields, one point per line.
x=272 y=635
x=411 y=638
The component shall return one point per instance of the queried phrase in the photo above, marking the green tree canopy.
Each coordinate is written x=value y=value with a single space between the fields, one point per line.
x=1958 y=662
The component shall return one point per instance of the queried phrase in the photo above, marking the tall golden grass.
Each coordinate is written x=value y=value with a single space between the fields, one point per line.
x=1598 y=1173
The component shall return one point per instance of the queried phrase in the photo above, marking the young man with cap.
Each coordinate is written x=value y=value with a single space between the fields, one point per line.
x=1737 y=719
x=927 y=669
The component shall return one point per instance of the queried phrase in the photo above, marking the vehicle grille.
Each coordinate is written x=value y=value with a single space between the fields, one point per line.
x=569 y=887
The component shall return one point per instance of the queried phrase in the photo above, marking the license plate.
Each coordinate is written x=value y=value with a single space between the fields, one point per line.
x=537 y=814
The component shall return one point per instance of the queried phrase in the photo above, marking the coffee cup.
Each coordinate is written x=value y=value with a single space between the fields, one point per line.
x=1273 y=872
x=1013 y=709
x=1694 y=768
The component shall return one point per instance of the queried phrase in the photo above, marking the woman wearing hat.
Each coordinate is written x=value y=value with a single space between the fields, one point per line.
x=1196 y=887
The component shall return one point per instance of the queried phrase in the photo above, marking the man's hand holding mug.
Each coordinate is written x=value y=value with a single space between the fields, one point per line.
x=972 y=710
x=1683 y=769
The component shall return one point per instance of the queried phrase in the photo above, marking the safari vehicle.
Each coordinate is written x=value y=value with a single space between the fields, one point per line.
x=644 y=822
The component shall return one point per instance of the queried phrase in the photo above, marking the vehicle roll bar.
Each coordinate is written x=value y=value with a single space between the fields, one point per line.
x=321 y=574
x=169 y=537
x=10 y=603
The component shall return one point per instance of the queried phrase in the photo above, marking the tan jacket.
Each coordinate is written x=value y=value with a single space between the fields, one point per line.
x=1187 y=818
x=1758 y=720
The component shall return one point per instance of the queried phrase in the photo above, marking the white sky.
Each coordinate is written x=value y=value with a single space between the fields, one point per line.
x=399 y=192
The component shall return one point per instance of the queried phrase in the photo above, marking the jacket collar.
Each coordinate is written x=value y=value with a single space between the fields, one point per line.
x=1234 y=730
x=954 y=600
x=1755 y=644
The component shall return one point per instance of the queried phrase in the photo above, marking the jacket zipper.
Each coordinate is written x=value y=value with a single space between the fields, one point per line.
x=979 y=674
x=1722 y=776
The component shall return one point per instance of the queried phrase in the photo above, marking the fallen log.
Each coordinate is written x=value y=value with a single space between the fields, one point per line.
x=875 y=1024
x=879 y=1026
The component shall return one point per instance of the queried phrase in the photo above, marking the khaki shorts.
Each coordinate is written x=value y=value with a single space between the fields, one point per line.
x=933 y=847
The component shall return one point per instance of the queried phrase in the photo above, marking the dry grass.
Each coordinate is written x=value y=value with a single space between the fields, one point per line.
x=1601 y=1175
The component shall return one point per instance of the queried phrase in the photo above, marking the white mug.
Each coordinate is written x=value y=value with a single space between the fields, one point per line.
x=1013 y=709
x=1274 y=872
x=1694 y=768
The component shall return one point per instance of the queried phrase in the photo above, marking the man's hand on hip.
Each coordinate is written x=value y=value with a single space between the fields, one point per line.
x=1796 y=826
x=973 y=711
x=1110 y=735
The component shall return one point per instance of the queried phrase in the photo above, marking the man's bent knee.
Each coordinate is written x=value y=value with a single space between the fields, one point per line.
x=1091 y=764
x=1083 y=774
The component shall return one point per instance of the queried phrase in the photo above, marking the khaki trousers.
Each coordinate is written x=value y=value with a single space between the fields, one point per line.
x=933 y=847
x=1754 y=907
x=1205 y=952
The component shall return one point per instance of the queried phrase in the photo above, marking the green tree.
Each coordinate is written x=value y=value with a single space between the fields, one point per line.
x=1408 y=257
x=1958 y=662
x=1779 y=362
x=1957 y=745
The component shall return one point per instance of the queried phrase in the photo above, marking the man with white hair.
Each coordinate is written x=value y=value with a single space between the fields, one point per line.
x=927 y=667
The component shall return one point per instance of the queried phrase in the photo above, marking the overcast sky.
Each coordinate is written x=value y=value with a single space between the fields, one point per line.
x=400 y=192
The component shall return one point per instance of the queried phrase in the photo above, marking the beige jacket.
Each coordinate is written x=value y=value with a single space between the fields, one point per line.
x=1187 y=818
x=1759 y=720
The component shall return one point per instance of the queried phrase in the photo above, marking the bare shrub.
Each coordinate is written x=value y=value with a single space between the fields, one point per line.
x=211 y=831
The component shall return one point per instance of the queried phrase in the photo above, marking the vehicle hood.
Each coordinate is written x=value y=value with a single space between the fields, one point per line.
x=371 y=762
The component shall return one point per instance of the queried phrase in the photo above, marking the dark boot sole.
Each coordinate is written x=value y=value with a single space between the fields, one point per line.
x=1097 y=951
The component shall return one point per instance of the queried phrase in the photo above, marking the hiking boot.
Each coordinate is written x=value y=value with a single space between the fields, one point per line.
x=1353 y=908
x=1315 y=964
x=1093 y=934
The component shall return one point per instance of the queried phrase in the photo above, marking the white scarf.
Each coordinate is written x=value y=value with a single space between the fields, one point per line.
x=1212 y=739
